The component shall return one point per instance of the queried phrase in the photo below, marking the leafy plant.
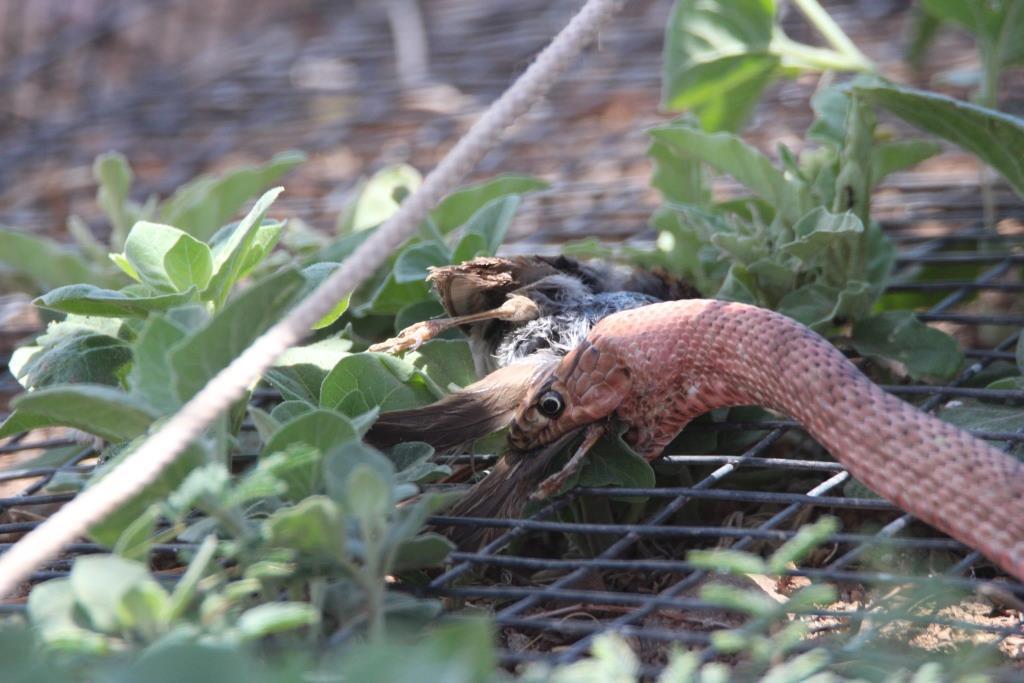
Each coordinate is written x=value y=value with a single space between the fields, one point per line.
x=198 y=208
x=804 y=243
x=994 y=137
x=303 y=541
x=998 y=28
x=300 y=545
x=720 y=56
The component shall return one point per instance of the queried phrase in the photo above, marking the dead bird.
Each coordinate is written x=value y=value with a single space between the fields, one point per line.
x=521 y=315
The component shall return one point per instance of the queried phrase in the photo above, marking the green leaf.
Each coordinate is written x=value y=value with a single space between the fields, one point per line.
x=299 y=371
x=727 y=561
x=612 y=463
x=428 y=550
x=323 y=429
x=983 y=417
x=813 y=305
x=101 y=583
x=367 y=494
x=924 y=351
x=406 y=283
x=342 y=460
x=207 y=351
x=379 y=198
x=204 y=204
x=101 y=410
x=831 y=108
x=315 y=528
x=285 y=411
x=81 y=357
x=492 y=221
x=114 y=177
x=315 y=275
x=731 y=155
x=679 y=178
x=233 y=254
x=446 y=363
x=143 y=610
x=110 y=529
x=92 y=300
x=457 y=208
x=899 y=155
x=300 y=468
x=408 y=520
x=364 y=381
x=994 y=137
x=166 y=258
x=413 y=462
x=808 y=538
x=263 y=243
x=820 y=230
x=468 y=248
x=52 y=610
x=414 y=261
x=718 y=59
x=121 y=261
x=45 y=263
x=276 y=617
x=756 y=604
x=152 y=375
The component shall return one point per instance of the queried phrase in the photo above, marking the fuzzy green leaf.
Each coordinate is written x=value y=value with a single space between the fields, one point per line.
x=323 y=429
x=378 y=198
x=718 y=59
x=101 y=410
x=729 y=154
x=92 y=300
x=924 y=351
x=166 y=258
x=81 y=357
x=364 y=381
x=205 y=203
x=233 y=253
x=276 y=617
x=315 y=528
x=994 y=137
x=457 y=208
x=45 y=263
x=207 y=351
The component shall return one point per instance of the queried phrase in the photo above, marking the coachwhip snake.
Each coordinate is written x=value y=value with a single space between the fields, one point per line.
x=657 y=367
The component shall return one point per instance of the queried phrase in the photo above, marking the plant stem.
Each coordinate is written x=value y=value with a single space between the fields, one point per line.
x=373 y=582
x=830 y=30
x=815 y=58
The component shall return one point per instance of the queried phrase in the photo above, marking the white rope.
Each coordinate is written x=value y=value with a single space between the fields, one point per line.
x=167 y=443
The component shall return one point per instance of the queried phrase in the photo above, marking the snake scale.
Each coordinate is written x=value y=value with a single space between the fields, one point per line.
x=659 y=366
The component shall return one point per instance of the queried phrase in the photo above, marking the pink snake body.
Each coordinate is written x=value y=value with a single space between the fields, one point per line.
x=659 y=366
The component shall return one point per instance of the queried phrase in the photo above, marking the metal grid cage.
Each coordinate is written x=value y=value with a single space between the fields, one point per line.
x=791 y=485
x=633 y=580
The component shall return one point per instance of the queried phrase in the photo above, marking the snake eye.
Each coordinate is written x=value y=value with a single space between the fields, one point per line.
x=550 y=404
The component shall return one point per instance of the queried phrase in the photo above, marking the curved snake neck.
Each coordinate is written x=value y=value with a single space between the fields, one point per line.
x=685 y=358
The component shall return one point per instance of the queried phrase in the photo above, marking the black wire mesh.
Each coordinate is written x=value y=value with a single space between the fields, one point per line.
x=635 y=579
x=637 y=582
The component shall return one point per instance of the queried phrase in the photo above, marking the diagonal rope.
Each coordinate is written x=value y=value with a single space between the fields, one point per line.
x=167 y=443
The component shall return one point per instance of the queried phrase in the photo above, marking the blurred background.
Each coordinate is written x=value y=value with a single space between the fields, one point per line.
x=188 y=86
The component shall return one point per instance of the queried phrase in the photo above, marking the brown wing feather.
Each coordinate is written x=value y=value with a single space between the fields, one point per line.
x=477 y=410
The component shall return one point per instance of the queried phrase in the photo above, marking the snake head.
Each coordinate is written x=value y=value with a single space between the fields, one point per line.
x=587 y=385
